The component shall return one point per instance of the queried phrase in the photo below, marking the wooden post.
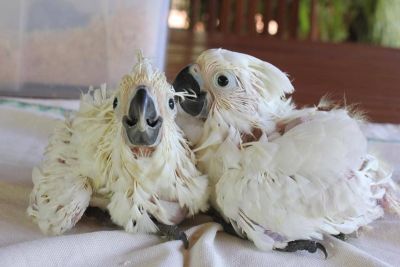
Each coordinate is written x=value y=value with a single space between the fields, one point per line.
x=281 y=18
x=314 y=21
x=194 y=13
x=294 y=19
x=251 y=12
x=239 y=17
x=212 y=13
x=225 y=16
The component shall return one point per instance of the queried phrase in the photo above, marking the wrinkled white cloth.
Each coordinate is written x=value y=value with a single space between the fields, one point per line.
x=24 y=131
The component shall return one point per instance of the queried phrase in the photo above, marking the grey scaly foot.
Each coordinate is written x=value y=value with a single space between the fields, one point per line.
x=228 y=228
x=172 y=232
x=100 y=215
x=308 y=245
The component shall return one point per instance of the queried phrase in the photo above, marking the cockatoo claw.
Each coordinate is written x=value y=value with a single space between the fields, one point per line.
x=183 y=237
x=172 y=232
x=308 y=245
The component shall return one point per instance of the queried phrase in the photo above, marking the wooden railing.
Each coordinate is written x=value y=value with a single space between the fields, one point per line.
x=238 y=17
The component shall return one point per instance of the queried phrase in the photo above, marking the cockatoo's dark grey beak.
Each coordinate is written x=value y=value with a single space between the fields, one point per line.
x=143 y=123
x=189 y=81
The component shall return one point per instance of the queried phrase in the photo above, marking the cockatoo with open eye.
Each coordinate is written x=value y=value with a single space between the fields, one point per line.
x=282 y=177
x=123 y=152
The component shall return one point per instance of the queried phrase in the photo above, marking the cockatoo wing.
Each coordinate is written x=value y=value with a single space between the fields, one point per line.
x=316 y=178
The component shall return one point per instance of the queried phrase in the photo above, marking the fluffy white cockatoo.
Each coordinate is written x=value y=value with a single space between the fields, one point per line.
x=282 y=177
x=123 y=152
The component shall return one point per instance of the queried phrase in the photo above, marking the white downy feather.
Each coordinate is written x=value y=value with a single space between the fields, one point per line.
x=306 y=174
x=88 y=157
x=303 y=184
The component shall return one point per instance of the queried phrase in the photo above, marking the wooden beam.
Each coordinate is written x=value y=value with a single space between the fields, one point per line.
x=239 y=17
x=225 y=16
x=251 y=12
x=212 y=16
x=313 y=36
x=267 y=16
x=281 y=18
x=294 y=19
x=194 y=13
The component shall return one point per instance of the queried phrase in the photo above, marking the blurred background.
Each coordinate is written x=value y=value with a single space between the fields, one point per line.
x=367 y=21
x=348 y=48
x=59 y=48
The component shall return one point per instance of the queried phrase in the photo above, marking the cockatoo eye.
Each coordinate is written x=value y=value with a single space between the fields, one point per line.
x=115 y=103
x=171 y=103
x=224 y=79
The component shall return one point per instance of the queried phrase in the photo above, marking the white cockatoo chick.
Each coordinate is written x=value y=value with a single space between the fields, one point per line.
x=281 y=177
x=123 y=152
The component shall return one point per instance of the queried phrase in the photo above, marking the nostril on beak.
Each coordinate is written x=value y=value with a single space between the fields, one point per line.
x=151 y=122
x=129 y=122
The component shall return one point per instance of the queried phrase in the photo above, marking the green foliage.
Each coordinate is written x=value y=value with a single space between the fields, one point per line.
x=332 y=19
x=304 y=18
x=376 y=21
x=386 y=29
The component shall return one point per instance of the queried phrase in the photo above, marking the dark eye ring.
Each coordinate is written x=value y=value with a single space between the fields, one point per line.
x=115 y=103
x=171 y=103
x=222 y=80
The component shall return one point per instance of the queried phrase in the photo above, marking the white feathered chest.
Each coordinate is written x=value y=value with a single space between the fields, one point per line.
x=104 y=157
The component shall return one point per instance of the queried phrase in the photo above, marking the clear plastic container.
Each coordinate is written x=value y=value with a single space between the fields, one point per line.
x=59 y=48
